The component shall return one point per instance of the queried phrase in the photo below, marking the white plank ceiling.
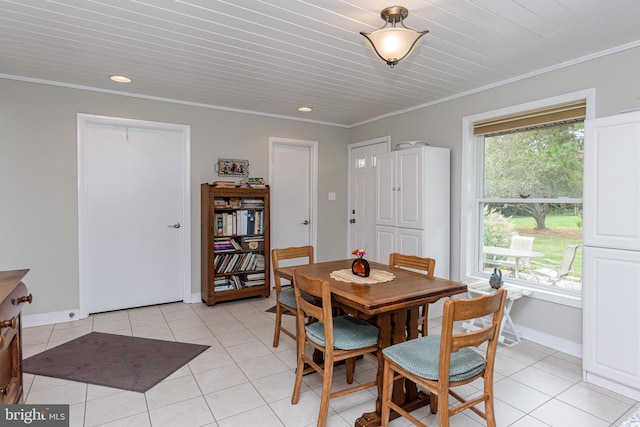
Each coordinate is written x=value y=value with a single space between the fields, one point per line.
x=272 y=56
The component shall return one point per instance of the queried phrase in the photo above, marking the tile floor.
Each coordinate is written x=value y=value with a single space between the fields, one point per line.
x=243 y=381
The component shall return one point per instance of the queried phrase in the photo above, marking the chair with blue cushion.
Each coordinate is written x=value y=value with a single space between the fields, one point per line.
x=338 y=338
x=285 y=297
x=439 y=362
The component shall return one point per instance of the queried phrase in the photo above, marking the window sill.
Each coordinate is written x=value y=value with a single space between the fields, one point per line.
x=574 y=301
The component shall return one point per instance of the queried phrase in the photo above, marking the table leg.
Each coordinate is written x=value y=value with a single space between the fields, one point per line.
x=395 y=328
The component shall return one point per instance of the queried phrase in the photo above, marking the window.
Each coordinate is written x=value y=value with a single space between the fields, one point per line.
x=522 y=196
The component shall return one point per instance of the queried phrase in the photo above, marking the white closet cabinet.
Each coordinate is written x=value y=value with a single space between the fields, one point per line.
x=413 y=205
x=611 y=254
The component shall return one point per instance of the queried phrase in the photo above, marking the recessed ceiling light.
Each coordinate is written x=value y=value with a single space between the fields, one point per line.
x=120 y=79
x=305 y=109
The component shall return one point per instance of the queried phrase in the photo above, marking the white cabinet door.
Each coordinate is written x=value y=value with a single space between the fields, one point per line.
x=612 y=182
x=611 y=341
x=400 y=186
x=386 y=189
x=406 y=241
x=410 y=187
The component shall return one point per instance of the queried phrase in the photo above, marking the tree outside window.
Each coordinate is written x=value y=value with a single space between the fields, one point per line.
x=532 y=186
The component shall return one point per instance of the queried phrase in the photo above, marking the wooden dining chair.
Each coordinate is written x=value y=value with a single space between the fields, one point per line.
x=419 y=265
x=338 y=338
x=285 y=296
x=439 y=362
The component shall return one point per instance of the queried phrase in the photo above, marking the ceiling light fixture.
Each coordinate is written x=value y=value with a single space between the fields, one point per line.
x=393 y=44
x=120 y=79
x=305 y=109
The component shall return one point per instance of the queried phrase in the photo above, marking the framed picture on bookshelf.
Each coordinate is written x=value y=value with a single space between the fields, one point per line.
x=232 y=167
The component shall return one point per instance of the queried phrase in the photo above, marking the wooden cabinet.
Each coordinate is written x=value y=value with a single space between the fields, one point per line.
x=13 y=296
x=413 y=205
x=611 y=254
x=234 y=243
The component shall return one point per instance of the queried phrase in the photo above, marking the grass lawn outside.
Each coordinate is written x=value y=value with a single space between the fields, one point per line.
x=562 y=230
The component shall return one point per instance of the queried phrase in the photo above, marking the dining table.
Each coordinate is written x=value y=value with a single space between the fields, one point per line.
x=393 y=305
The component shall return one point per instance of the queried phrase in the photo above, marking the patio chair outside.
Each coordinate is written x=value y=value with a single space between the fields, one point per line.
x=554 y=271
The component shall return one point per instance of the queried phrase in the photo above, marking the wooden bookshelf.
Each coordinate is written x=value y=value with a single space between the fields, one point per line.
x=234 y=243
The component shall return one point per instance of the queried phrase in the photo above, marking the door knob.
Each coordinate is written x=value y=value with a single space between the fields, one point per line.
x=176 y=225
x=352 y=220
x=305 y=222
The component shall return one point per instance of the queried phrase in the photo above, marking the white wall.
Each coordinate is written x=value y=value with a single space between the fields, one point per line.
x=615 y=78
x=38 y=176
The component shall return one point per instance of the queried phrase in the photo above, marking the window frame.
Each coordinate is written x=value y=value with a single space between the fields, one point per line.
x=472 y=175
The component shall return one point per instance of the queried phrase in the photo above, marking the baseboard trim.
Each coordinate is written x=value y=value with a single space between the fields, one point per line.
x=551 y=341
x=50 y=318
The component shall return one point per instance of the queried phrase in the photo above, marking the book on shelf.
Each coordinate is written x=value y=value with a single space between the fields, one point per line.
x=224 y=184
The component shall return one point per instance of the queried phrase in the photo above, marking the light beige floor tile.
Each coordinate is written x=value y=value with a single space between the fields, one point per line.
x=76 y=414
x=506 y=365
x=542 y=381
x=249 y=350
x=263 y=417
x=210 y=359
x=72 y=324
x=519 y=395
x=210 y=340
x=234 y=400
x=138 y=420
x=34 y=338
x=68 y=393
x=168 y=392
x=529 y=421
x=594 y=402
x=228 y=327
x=231 y=339
x=261 y=367
x=112 y=325
x=278 y=386
x=32 y=350
x=303 y=413
x=153 y=332
x=194 y=333
x=189 y=413
x=559 y=414
x=114 y=407
x=220 y=378
x=59 y=336
x=43 y=383
x=98 y=391
x=242 y=361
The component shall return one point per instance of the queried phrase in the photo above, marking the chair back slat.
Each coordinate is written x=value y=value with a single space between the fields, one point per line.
x=322 y=310
x=421 y=265
x=281 y=254
x=461 y=310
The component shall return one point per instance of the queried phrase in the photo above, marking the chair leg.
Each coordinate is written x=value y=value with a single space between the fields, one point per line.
x=433 y=403
x=298 y=381
x=276 y=333
x=350 y=365
x=327 y=380
x=387 y=390
x=443 y=407
x=490 y=415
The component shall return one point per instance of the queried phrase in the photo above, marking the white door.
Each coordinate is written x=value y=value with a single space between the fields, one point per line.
x=133 y=225
x=363 y=162
x=293 y=182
